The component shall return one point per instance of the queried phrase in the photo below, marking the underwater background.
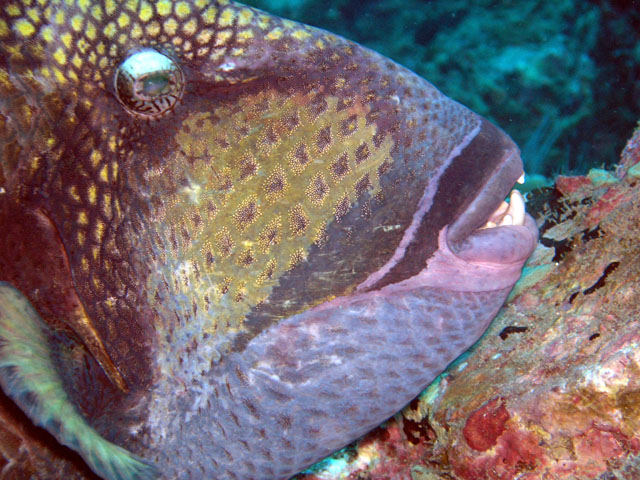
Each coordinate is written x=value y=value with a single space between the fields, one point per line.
x=561 y=77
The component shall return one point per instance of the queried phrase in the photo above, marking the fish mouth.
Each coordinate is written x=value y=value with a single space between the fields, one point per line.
x=463 y=212
x=488 y=208
x=507 y=234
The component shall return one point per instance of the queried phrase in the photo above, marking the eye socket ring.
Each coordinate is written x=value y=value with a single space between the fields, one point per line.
x=149 y=84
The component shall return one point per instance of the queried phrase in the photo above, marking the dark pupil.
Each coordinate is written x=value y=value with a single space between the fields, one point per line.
x=156 y=84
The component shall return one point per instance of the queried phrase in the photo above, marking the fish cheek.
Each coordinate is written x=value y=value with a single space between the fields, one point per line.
x=254 y=186
x=34 y=261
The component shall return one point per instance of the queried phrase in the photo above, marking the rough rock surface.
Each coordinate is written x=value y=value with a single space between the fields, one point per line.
x=552 y=391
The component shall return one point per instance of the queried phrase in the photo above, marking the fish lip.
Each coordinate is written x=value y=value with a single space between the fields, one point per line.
x=488 y=198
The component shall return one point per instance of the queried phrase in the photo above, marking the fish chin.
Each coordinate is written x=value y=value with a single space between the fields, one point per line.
x=381 y=345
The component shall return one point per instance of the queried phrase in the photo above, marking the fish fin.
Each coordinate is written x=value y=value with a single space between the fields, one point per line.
x=28 y=375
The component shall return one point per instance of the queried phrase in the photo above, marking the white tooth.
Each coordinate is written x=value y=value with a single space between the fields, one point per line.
x=501 y=210
x=507 y=220
x=516 y=207
x=521 y=179
x=489 y=224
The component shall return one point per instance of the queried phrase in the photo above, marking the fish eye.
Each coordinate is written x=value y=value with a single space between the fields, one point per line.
x=149 y=84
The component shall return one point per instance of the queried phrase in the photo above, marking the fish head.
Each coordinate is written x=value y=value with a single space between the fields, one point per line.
x=247 y=224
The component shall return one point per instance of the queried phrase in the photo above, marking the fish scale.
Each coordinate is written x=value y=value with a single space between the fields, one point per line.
x=247 y=226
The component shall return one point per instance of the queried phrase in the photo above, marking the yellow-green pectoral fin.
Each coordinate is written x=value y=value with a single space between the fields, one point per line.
x=29 y=377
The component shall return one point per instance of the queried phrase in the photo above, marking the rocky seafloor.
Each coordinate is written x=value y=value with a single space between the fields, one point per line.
x=552 y=390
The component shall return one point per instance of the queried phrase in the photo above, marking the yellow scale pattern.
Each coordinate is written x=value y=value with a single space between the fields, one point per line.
x=86 y=38
x=254 y=213
x=80 y=44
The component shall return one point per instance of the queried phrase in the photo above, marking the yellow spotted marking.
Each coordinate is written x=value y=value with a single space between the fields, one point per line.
x=132 y=5
x=244 y=17
x=223 y=37
x=34 y=15
x=110 y=6
x=301 y=34
x=298 y=220
x=4 y=29
x=96 y=12
x=80 y=237
x=60 y=56
x=25 y=27
x=146 y=12
x=268 y=272
x=114 y=170
x=275 y=34
x=98 y=232
x=182 y=9
x=209 y=15
x=73 y=193
x=91 y=31
x=163 y=7
x=77 y=61
x=264 y=21
x=153 y=29
x=76 y=22
x=66 y=39
x=103 y=174
x=14 y=51
x=136 y=31
x=92 y=194
x=320 y=44
x=289 y=24
x=106 y=205
x=296 y=258
x=204 y=36
x=83 y=219
x=95 y=157
x=95 y=252
x=171 y=26
x=13 y=10
x=190 y=27
x=59 y=17
x=35 y=164
x=244 y=35
x=84 y=4
x=226 y=18
x=110 y=30
x=123 y=20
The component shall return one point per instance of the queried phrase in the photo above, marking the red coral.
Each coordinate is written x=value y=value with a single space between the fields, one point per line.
x=486 y=424
x=569 y=185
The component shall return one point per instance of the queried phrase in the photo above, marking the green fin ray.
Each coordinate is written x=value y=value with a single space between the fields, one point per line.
x=28 y=376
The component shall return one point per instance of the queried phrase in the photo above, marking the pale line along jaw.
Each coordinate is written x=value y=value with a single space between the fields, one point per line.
x=511 y=213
